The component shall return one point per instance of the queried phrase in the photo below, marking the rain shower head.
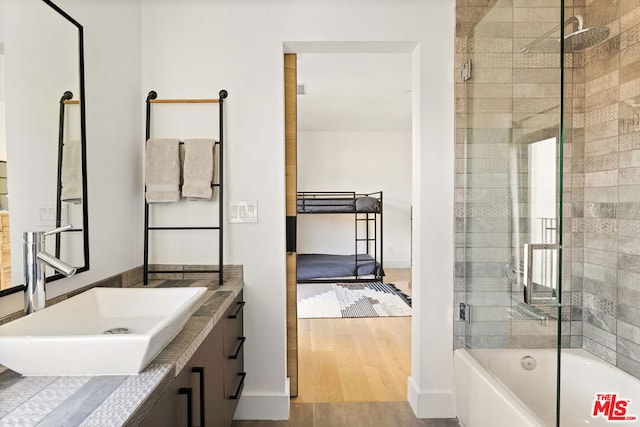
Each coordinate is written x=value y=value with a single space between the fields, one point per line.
x=585 y=38
x=580 y=39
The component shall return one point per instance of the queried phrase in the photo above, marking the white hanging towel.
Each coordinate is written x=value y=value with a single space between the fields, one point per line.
x=162 y=170
x=198 y=168
x=71 y=177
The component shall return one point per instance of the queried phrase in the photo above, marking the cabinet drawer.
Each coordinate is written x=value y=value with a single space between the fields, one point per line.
x=234 y=383
x=172 y=409
x=233 y=348
x=233 y=368
x=233 y=341
x=233 y=327
x=200 y=384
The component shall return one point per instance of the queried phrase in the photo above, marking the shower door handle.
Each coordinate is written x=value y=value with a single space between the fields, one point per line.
x=528 y=267
x=465 y=71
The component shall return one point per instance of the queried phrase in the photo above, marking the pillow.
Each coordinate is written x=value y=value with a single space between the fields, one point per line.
x=367 y=204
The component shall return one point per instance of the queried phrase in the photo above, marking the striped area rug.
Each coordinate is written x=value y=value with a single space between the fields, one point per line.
x=329 y=300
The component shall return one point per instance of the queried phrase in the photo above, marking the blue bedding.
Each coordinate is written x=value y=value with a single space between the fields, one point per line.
x=339 y=205
x=321 y=266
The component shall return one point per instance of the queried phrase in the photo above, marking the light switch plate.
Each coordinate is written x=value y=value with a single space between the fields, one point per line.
x=47 y=216
x=243 y=212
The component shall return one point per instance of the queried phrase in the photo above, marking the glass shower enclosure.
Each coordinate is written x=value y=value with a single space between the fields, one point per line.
x=510 y=113
x=548 y=202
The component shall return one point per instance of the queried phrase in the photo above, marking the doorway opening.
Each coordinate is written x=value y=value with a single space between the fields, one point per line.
x=353 y=134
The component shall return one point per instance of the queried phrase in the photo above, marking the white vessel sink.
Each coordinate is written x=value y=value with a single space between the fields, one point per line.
x=103 y=331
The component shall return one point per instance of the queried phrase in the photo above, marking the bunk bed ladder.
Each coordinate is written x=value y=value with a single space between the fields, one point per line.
x=370 y=239
x=152 y=99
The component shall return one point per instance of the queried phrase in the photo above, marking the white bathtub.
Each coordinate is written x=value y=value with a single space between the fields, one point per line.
x=493 y=389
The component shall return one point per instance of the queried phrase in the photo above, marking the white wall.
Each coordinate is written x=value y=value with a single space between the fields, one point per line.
x=194 y=48
x=114 y=143
x=363 y=162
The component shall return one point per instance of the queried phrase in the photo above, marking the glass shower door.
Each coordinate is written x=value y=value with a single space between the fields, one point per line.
x=509 y=185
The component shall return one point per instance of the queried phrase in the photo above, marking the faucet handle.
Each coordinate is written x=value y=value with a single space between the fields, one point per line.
x=58 y=230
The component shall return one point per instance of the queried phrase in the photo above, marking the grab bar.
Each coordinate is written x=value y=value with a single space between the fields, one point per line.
x=528 y=266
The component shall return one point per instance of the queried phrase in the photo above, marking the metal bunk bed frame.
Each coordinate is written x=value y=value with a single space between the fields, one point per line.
x=370 y=238
x=152 y=98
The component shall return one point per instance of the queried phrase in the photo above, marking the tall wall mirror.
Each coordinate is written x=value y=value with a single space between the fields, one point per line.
x=45 y=134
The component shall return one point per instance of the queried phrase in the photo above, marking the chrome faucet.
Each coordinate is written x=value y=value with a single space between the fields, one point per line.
x=35 y=260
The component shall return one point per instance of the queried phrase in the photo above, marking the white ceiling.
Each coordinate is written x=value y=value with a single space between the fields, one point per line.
x=355 y=92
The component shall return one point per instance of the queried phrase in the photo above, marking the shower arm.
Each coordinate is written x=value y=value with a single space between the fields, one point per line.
x=576 y=18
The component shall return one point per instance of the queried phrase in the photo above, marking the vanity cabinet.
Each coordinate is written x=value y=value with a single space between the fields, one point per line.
x=207 y=389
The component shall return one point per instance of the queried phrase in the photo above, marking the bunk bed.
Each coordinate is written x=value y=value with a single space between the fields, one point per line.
x=366 y=262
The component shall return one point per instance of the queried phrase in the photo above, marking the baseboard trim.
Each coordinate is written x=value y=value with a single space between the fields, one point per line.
x=397 y=263
x=430 y=404
x=272 y=407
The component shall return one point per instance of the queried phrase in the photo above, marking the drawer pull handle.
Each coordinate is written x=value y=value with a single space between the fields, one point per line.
x=240 y=344
x=200 y=371
x=242 y=376
x=234 y=315
x=188 y=392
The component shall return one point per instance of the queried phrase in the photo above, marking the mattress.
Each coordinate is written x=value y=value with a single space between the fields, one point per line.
x=322 y=266
x=339 y=205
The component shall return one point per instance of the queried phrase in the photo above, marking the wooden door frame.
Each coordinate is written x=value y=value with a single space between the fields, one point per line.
x=291 y=142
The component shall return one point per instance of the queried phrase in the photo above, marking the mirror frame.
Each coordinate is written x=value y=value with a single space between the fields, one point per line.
x=83 y=137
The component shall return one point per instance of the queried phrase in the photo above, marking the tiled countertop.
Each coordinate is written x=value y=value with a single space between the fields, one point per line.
x=113 y=400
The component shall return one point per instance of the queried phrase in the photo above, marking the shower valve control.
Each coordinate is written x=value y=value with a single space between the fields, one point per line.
x=465 y=312
x=465 y=71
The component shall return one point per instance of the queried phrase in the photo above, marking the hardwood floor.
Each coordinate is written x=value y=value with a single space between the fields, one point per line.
x=356 y=360
x=353 y=372
x=401 y=277
x=351 y=414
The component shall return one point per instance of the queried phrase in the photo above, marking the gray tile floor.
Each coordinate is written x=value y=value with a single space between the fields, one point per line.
x=351 y=414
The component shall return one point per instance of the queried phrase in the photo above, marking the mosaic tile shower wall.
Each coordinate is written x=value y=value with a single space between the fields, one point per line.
x=611 y=210
x=511 y=101
x=509 y=98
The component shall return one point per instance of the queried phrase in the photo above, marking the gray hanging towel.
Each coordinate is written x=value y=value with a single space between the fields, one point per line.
x=198 y=168
x=162 y=170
